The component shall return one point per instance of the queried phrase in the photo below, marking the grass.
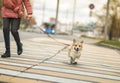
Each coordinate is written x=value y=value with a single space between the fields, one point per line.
x=110 y=42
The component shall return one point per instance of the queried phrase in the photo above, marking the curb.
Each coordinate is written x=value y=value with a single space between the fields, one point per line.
x=109 y=46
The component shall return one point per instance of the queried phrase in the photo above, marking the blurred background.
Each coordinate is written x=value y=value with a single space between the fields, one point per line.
x=82 y=18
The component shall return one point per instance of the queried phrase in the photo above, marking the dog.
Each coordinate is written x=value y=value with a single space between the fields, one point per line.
x=74 y=51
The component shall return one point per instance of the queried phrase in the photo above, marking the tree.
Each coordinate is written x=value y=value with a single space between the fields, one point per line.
x=113 y=22
x=114 y=27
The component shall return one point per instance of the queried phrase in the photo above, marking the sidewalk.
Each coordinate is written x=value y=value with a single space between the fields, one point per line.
x=45 y=61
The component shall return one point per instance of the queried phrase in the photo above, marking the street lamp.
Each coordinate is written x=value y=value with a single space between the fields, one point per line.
x=57 y=12
x=73 y=19
x=43 y=14
x=106 y=21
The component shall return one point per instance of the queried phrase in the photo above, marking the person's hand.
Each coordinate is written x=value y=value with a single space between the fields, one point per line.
x=29 y=17
x=21 y=14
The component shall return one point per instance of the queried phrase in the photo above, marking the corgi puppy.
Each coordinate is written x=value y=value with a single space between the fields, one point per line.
x=74 y=51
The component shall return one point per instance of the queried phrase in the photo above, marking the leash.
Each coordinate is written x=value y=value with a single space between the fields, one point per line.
x=54 y=38
x=66 y=45
x=45 y=59
x=22 y=71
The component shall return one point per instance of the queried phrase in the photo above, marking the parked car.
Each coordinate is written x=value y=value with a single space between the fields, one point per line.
x=49 y=28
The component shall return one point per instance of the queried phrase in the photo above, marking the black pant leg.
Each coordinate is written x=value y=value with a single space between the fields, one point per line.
x=15 y=24
x=6 y=33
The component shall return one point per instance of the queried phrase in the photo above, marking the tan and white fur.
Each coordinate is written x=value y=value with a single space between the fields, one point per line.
x=74 y=51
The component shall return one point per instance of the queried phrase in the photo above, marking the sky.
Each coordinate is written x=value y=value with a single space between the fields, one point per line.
x=45 y=9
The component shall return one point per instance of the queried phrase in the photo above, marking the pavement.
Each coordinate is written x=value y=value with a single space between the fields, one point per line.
x=45 y=60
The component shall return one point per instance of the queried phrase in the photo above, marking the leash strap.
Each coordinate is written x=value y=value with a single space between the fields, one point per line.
x=54 y=38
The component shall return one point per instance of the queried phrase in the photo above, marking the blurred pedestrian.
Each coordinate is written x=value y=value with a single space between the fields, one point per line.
x=12 y=12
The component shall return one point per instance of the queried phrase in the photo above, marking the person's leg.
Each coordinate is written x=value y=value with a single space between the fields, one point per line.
x=6 y=34
x=15 y=24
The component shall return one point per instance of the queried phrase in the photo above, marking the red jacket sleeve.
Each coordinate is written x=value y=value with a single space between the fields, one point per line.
x=28 y=6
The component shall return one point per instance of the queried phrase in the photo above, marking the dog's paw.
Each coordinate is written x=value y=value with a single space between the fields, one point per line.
x=74 y=63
